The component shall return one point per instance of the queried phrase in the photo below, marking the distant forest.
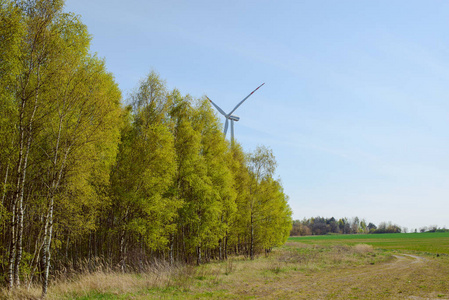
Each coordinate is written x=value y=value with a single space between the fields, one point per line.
x=320 y=226
x=86 y=179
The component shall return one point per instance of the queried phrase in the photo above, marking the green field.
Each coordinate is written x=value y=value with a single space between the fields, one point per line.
x=431 y=242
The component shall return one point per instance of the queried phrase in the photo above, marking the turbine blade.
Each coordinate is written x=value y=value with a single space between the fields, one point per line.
x=226 y=126
x=217 y=107
x=232 y=132
x=237 y=106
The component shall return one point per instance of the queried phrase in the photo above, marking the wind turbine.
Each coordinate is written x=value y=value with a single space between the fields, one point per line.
x=230 y=116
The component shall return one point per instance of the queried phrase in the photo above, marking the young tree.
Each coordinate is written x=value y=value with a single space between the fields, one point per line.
x=221 y=203
x=142 y=204
x=66 y=129
x=12 y=31
x=193 y=186
x=37 y=49
x=274 y=220
x=241 y=218
x=261 y=166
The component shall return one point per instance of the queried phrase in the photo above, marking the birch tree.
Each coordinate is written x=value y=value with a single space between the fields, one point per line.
x=66 y=126
x=36 y=50
x=144 y=172
x=12 y=31
x=220 y=204
x=191 y=184
x=239 y=233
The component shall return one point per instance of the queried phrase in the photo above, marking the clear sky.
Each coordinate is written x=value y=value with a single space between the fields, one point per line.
x=355 y=105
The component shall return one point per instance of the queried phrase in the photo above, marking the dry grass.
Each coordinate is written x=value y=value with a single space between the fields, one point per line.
x=99 y=282
x=363 y=248
x=295 y=271
x=103 y=280
x=313 y=257
x=21 y=293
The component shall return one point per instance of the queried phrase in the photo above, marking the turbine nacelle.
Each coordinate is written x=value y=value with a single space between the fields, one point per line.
x=234 y=118
x=230 y=116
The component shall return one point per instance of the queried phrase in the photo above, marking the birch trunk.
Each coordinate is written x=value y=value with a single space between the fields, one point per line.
x=251 y=249
x=226 y=246
x=46 y=256
x=198 y=257
x=13 y=245
x=18 y=258
x=16 y=196
x=172 y=242
x=122 y=252
x=5 y=184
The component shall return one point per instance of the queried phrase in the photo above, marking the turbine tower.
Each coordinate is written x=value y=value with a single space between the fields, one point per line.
x=230 y=116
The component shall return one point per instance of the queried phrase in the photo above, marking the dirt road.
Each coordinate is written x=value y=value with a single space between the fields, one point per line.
x=404 y=277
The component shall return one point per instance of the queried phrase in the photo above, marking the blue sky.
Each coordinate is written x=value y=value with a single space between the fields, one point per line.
x=355 y=105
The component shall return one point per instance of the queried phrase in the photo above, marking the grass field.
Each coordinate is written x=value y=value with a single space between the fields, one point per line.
x=431 y=242
x=384 y=266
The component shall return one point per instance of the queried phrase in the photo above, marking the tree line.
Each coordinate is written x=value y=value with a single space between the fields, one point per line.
x=84 y=177
x=321 y=226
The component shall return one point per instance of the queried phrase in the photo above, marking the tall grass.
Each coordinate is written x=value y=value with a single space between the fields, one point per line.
x=160 y=279
x=316 y=257
x=97 y=276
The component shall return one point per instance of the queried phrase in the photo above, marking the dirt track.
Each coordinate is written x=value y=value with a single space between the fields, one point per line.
x=405 y=277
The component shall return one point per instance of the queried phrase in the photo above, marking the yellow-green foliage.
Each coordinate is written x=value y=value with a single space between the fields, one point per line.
x=83 y=178
x=144 y=171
